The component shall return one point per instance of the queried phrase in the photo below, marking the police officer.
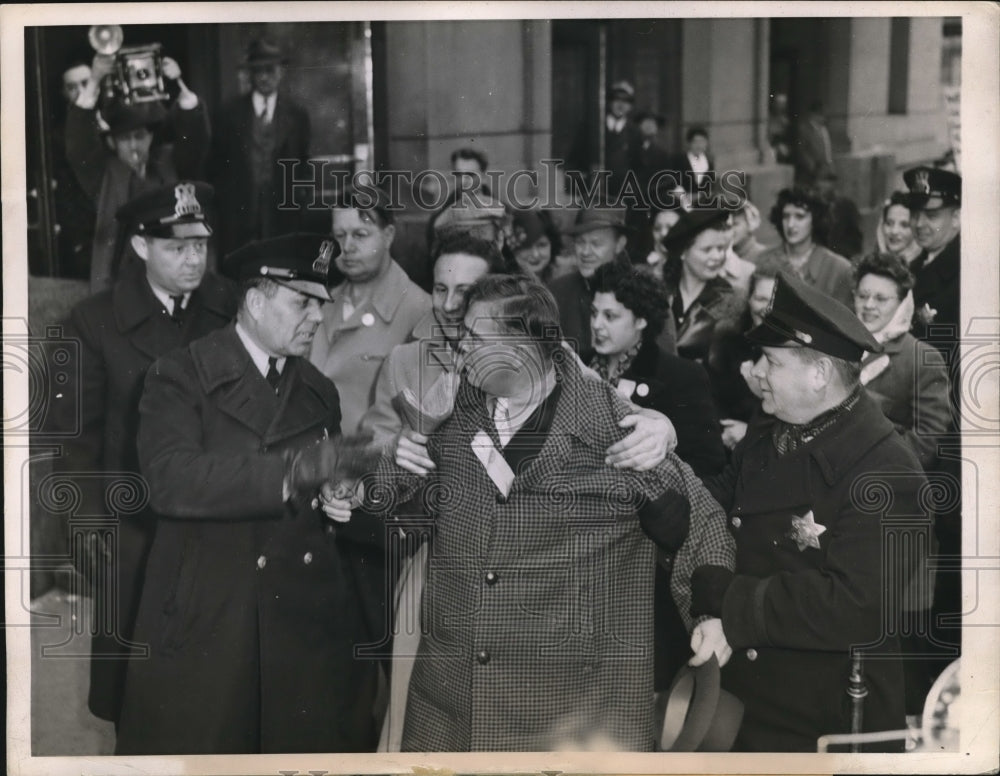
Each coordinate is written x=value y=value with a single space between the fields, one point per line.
x=811 y=564
x=935 y=199
x=936 y=213
x=248 y=611
x=160 y=303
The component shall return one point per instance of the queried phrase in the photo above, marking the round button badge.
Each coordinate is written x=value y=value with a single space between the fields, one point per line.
x=368 y=319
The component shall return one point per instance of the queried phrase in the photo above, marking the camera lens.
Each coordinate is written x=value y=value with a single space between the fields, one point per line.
x=142 y=74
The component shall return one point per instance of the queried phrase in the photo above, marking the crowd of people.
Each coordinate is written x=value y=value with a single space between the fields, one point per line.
x=604 y=452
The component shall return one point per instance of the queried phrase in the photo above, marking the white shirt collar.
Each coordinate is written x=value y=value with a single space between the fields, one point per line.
x=259 y=101
x=616 y=124
x=519 y=408
x=257 y=353
x=165 y=299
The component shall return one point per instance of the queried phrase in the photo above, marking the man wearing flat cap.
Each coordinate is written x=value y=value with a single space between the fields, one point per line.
x=248 y=610
x=136 y=164
x=804 y=492
x=163 y=301
x=252 y=133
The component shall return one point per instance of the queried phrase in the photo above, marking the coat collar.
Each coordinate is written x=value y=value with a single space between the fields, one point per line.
x=837 y=450
x=134 y=302
x=946 y=264
x=227 y=372
x=387 y=295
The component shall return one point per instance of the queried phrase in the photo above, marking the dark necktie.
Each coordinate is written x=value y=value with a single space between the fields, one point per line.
x=178 y=313
x=273 y=376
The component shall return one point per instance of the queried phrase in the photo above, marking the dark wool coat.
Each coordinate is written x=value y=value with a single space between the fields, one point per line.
x=120 y=333
x=794 y=611
x=717 y=303
x=939 y=284
x=231 y=171
x=539 y=602
x=248 y=608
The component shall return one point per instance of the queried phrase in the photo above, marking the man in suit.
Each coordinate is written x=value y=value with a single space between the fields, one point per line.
x=540 y=637
x=252 y=133
x=248 y=608
x=817 y=573
x=622 y=140
x=695 y=167
x=165 y=301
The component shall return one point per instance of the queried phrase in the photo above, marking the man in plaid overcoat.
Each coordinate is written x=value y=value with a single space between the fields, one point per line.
x=539 y=596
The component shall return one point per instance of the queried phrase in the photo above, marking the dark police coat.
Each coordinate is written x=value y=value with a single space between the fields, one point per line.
x=120 y=333
x=939 y=284
x=248 y=608
x=793 y=612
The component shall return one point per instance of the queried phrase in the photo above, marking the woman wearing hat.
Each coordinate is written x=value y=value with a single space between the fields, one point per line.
x=909 y=379
x=895 y=231
x=535 y=242
x=700 y=297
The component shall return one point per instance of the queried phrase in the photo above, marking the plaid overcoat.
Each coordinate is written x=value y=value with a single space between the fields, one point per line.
x=539 y=604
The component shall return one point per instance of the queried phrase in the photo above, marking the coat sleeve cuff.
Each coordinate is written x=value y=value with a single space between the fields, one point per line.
x=708 y=590
x=743 y=612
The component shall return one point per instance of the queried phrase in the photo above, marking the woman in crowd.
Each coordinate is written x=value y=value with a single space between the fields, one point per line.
x=535 y=242
x=663 y=222
x=627 y=315
x=746 y=222
x=801 y=217
x=909 y=379
x=700 y=297
x=731 y=357
x=894 y=234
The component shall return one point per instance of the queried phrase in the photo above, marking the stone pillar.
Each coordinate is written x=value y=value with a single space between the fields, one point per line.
x=725 y=82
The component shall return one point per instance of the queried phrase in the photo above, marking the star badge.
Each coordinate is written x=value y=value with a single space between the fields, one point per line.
x=806 y=531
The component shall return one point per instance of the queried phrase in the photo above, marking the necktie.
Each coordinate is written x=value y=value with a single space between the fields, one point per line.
x=178 y=312
x=501 y=419
x=273 y=376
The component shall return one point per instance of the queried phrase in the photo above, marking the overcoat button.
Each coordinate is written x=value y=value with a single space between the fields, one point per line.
x=491 y=578
x=501 y=498
x=483 y=657
x=261 y=561
x=736 y=522
x=307 y=558
x=751 y=654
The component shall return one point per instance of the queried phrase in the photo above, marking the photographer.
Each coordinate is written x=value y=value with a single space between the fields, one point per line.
x=138 y=160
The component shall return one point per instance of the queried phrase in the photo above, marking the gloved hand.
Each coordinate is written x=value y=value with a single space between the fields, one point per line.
x=666 y=521
x=331 y=460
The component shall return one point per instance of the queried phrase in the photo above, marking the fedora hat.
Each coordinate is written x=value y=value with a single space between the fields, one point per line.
x=699 y=715
x=600 y=218
x=261 y=51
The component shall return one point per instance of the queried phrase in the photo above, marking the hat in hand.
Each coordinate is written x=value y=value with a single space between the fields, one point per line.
x=699 y=715
x=801 y=316
x=170 y=212
x=301 y=261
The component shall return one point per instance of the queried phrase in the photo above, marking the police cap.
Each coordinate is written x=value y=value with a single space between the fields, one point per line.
x=170 y=212
x=799 y=315
x=303 y=261
x=931 y=188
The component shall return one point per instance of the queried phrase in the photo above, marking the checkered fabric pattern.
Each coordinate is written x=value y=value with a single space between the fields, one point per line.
x=540 y=604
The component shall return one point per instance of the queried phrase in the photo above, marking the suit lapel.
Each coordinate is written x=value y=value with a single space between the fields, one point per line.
x=299 y=407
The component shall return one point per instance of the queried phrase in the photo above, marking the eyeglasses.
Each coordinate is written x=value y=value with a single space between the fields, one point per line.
x=879 y=298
